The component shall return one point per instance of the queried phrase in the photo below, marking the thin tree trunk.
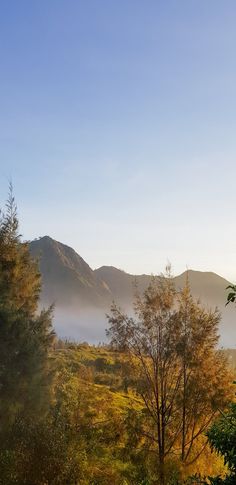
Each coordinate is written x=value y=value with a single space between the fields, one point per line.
x=162 y=470
x=184 y=412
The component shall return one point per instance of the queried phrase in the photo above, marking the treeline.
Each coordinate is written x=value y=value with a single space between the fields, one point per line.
x=149 y=409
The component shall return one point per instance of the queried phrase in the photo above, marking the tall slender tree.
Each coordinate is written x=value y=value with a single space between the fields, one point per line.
x=150 y=340
x=26 y=335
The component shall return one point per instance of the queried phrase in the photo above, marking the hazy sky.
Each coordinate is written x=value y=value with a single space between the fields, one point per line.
x=118 y=128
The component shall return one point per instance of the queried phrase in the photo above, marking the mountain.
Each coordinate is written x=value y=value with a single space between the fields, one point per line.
x=66 y=278
x=122 y=285
x=82 y=296
x=207 y=286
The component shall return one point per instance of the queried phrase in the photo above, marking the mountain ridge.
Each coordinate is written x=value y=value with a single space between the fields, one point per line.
x=83 y=295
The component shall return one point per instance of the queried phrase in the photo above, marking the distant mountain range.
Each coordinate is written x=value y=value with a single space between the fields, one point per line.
x=82 y=296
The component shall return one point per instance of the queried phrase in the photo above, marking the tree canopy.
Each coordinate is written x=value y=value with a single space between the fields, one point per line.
x=181 y=376
x=26 y=334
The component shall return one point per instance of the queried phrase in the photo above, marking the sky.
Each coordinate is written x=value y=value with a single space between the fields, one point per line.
x=118 y=129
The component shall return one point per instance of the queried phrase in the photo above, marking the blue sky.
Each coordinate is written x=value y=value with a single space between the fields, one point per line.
x=117 y=127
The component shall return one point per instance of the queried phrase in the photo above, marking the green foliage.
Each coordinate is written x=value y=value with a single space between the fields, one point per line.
x=25 y=335
x=232 y=294
x=222 y=436
x=39 y=452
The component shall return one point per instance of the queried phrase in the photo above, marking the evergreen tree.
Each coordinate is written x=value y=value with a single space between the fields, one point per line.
x=25 y=334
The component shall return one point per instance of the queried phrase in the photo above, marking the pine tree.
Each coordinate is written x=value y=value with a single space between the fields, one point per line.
x=25 y=334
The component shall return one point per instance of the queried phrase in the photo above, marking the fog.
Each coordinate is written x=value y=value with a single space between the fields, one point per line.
x=90 y=325
x=83 y=325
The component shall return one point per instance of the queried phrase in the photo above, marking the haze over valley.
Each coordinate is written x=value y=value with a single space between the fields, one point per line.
x=83 y=296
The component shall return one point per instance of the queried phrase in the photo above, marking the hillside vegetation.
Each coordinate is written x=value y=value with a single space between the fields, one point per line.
x=100 y=389
x=148 y=409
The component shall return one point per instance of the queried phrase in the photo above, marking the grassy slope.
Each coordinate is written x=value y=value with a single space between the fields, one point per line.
x=96 y=388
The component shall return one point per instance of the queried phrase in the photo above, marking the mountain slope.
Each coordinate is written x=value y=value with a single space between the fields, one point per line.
x=66 y=278
x=207 y=286
x=83 y=296
x=122 y=285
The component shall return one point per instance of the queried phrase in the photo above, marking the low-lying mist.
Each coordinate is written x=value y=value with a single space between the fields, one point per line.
x=89 y=324
x=83 y=325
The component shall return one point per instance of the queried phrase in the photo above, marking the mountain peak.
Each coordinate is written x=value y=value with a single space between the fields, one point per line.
x=69 y=282
x=66 y=277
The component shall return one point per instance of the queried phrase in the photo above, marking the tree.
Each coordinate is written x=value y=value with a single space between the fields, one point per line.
x=39 y=452
x=25 y=334
x=180 y=376
x=206 y=380
x=222 y=437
